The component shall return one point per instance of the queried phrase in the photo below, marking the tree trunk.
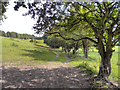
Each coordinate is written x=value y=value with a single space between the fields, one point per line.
x=74 y=52
x=62 y=49
x=85 y=49
x=76 y=47
x=105 y=68
x=106 y=54
x=85 y=52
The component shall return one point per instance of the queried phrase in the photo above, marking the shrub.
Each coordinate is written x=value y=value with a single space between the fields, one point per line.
x=35 y=41
x=15 y=45
x=31 y=40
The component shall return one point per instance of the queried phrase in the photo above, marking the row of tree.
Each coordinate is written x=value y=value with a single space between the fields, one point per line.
x=16 y=35
x=55 y=41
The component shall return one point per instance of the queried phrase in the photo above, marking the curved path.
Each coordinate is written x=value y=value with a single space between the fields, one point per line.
x=50 y=75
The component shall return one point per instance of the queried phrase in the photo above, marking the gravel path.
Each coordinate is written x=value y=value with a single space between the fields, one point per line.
x=50 y=75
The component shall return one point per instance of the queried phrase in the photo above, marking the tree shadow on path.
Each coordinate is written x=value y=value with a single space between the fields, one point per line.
x=63 y=77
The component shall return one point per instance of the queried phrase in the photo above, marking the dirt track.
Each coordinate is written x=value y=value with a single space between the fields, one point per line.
x=50 y=75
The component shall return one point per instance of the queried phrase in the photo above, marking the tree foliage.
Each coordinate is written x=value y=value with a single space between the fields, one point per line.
x=2 y=33
x=103 y=18
x=17 y=35
x=3 y=6
x=52 y=41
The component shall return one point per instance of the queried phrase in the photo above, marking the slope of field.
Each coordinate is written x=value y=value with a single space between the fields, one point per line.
x=25 y=52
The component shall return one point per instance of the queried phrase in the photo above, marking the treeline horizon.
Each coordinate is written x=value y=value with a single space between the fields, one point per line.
x=18 y=35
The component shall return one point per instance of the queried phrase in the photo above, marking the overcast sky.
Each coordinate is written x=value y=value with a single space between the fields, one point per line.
x=16 y=22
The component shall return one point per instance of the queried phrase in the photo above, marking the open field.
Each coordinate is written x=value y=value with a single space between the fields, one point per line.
x=23 y=52
x=16 y=50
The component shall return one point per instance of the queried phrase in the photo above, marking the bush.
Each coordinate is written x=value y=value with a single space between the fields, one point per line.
x=35 y=41
x=15 y=45
x=87 y=68
x=31 y=40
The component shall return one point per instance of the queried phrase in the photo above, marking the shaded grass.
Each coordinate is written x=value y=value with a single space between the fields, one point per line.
x=41 y=42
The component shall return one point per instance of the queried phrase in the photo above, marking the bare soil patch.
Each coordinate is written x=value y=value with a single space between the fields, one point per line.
x=50 y=75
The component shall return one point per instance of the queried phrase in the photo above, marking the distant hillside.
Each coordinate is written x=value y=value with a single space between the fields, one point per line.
x=17 y=35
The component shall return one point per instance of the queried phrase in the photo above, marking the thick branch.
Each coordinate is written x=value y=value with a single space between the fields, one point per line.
x=73 y=38
x=99 y=7
x=91 y=25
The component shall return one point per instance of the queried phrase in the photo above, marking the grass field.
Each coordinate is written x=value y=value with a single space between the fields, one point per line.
x=25 y=52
